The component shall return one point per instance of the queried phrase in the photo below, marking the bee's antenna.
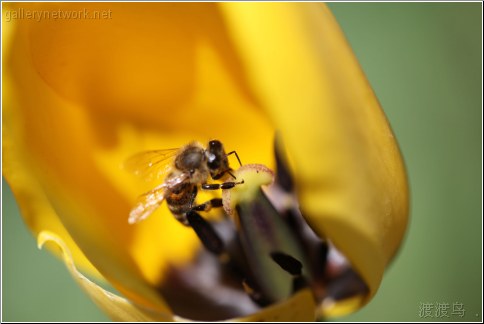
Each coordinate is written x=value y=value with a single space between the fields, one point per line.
x=236 y=155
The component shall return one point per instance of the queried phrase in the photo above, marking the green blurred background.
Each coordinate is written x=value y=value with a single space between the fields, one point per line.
x=424 y=62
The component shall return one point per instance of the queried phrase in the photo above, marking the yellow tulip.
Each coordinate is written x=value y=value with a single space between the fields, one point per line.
x=85 y=85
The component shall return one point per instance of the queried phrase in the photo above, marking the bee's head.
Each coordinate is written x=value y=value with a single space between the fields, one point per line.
x=217 y=161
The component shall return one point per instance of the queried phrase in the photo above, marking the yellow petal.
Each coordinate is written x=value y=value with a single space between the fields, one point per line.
x=28 y=190
x=54 y=183
x=116 y=307
x=85 y=94
x=350 y=175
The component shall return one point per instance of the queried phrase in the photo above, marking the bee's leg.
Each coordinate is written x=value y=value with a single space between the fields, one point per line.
x=225 y=185
x=193 y=196
x=206 y=206
x=236 y=155
x=231 y=174
x=215 y=202
x=205 y=232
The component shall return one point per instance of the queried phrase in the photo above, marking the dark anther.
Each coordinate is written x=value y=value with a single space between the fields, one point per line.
x=287 y=262
x=283 y=175
x=298 y=283
x=322 y=250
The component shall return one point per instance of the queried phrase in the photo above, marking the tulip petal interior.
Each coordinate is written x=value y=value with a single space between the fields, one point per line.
x=116 y=307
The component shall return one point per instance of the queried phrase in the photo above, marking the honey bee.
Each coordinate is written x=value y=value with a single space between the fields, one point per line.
x=192 y=167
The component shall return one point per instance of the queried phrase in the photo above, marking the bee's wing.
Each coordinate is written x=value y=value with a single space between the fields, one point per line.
x=150 y=164
x=148 y=202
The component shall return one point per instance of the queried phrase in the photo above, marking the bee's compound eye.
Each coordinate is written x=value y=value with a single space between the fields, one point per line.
x=214 y=145
x=215 y=154
x=213 y=163
x=211 y=157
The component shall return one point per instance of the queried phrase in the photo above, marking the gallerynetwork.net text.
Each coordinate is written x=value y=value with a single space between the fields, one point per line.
x=39 y=15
